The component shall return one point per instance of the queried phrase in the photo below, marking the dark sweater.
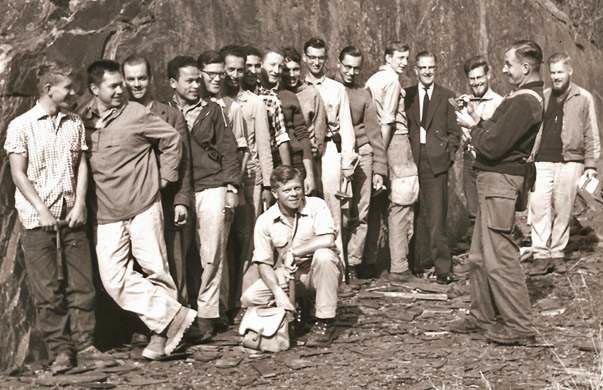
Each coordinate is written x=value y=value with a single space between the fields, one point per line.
x=505 y=141
x=550 y=144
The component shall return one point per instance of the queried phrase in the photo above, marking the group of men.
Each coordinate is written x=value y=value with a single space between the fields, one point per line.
x=263 y=176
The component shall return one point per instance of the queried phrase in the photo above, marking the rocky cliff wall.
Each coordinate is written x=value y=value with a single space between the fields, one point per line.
x=81 y=31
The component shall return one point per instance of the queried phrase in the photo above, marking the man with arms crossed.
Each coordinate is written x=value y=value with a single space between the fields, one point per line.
x=127 y=207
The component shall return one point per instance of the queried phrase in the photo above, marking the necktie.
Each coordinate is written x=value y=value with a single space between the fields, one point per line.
x=425 y=108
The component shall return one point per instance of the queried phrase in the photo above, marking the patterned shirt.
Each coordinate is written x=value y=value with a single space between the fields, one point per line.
x=276 y=117
x=53 y=149
x=190 y=112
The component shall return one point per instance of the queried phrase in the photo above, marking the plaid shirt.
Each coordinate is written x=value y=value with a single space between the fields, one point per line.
x=276 y=117
x=53 y=150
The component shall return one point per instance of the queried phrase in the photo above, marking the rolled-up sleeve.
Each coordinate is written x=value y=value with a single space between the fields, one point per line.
x=263 y=251
x=323 y=221
x=15 y=140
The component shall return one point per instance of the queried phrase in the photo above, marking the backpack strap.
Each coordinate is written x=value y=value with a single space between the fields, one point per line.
x=526 y=91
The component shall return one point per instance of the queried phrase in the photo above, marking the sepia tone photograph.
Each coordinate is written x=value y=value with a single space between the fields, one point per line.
x=301 y=194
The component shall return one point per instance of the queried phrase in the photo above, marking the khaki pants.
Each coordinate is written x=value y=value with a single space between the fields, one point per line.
x=322 y=276
x=362 y=186
x=331 y=183
x=152 y=297
x=498 y=286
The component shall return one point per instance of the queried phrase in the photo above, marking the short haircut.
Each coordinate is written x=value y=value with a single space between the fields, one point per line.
x=560 y=57
x=232 y=50
x=96 y=71
x=291 y=54
x=474 y=63
x=269 y=50
x=136 y=59
x=209 y=57
x=52 y=73
x=252 y=51
x=426 y=53
x=282 y=174
x=177 y=63
x=395 y=46
x=528 y=51
x=316 y=43
x=352 y=51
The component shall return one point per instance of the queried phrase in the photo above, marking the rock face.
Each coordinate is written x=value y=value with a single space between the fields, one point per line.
x=80 y=31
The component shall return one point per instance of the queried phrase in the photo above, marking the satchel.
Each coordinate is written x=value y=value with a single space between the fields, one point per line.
x=265 y=329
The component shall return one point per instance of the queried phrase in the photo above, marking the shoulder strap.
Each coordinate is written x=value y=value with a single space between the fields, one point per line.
x=526 y=91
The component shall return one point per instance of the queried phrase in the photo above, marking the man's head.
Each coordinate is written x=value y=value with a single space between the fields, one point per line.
x=185 y=78
x=396 y=56
x=561 y=70
x=137 y=77
x=234 y=64
x=211 y=64
x=478 y=73
x=287 y=187
x=55 y=83
x=350 y=63
x=272 y=64
x=425 y=67
x=106 y=83
x=253 y=60
x=522 y=62
x=292 y=68
x=315 y=56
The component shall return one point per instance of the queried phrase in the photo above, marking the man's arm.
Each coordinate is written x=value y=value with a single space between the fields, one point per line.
x=227 y=146
x=168 y=145
x=323 y=241
x=346 y=126
x=592 y=144
x=375 y=137
x=262 y=141
x=77 y=215
x=320 y=121
x=183 y=198
x=391 y=104
x=280 y=133
x=452 y=128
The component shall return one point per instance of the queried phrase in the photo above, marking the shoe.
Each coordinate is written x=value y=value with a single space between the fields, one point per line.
x=401 y=277
x=61 y=363
x=446 y=278
x=176 y=329
x=504 y=336
x=539 y=267
x=559 y=264
x=139 y=339
x=92 y=355
x=203 y=330
x=354 y=280
x=155 y=349
x=321 y=334
x=466 y=325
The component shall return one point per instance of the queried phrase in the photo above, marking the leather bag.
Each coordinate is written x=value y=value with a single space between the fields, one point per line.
x=265 y=329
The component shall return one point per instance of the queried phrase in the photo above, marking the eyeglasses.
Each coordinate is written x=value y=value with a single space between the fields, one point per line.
x=214 y=75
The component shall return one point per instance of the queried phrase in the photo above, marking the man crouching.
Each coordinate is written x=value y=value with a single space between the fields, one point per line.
x=301 y=233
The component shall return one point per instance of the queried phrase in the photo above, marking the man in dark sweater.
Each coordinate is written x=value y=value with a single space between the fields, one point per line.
x=500 y=304
x=371 y=150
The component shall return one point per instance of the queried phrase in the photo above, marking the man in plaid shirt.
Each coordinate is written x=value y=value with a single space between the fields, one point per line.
x=44 y=146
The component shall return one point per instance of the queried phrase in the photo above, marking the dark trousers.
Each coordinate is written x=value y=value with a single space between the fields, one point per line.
x=64 y=308
x=179 y=246
x=431 y=239
x=469 y=185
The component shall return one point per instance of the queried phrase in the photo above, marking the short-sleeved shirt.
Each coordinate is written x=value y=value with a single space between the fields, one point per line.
x=53 y=149
x=388 y=96
x=273 y=231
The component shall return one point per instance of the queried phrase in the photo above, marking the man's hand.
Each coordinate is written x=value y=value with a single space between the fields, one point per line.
x=282 y=300
x=590 y=173
x=377 y=181
x=309 y=185
x=180 y=215
x=267 y=197
x=464 y=119
x=164 y=183
x=47 y=221
x=232 y=198
x=76 y=217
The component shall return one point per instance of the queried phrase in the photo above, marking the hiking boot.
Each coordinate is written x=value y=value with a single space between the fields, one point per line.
x=446 y=278
x=176 y=329
x=61 y=363
x=321 y=334
x=202 y=330
x=505 y=336
x=401 y=277
x=139 y=339
x=539 y=267
x=155 y=349
x=354 y=280
x=559 y=264
x=466 y=325
x=92 y=355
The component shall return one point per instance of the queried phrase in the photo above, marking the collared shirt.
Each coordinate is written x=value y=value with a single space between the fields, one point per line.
x=273 y=232
x=232 y=111
x=53 y=149
x=337 y=104
x=314 y=113
x=422 y=90
x=276 y=117
x=255 y=115
x=486 y=106
x=190 y=112
x=123 y=164
x=388 y=96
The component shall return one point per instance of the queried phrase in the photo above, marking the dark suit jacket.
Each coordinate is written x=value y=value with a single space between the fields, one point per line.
x=180 y=192
x=443 y=133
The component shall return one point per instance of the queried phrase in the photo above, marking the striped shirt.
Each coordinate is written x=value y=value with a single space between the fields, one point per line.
x=53 y=149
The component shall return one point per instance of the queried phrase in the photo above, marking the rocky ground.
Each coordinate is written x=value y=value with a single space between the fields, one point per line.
x=393 y=336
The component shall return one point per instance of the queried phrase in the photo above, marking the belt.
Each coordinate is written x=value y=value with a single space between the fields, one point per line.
x=400 y=132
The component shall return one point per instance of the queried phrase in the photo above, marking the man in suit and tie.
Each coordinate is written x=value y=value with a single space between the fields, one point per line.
x=434 y=137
